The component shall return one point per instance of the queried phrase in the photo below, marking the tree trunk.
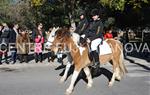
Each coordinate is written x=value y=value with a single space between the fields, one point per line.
x=71 y=13
x=72 y=22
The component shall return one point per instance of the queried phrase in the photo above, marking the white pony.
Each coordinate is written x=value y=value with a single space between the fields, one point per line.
x=51 y=37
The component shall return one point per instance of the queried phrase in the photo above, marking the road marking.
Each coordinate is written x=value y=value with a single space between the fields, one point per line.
x=138 y=75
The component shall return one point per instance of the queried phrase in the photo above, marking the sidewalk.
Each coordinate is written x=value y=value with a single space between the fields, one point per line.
x=31 y=64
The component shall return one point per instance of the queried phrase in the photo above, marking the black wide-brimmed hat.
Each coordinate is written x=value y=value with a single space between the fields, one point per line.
x=95 y=12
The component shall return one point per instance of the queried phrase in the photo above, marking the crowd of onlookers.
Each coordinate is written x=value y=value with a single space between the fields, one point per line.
x=8 y=35
x=16 y=43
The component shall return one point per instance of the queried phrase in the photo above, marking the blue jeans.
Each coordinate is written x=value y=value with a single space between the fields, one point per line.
x=14 y=56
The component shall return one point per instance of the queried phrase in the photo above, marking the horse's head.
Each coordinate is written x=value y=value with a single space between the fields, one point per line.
x=61 y=39
x=51 y=37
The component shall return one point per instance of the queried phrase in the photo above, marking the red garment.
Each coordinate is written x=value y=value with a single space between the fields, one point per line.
x=39 y=40
x=2 y=53
x=108 y=35
x=38 y=44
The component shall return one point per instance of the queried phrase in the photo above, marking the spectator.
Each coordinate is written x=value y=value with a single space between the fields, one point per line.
x=13 y=34
x=50 y=54
x=39 y=37
x=22 y=44
x=39 y=40
x=4 y=40
x=1 y=53
x=122 y=38
x=108 y=33
x=39 y=30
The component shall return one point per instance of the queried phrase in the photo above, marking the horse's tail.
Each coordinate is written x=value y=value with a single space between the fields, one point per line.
x=121 y=63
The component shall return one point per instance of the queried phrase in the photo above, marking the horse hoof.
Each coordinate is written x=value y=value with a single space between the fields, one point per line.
x=89 y=86
x=118 y=78
x=62 y=80
x=68 y=92
x=110 y=84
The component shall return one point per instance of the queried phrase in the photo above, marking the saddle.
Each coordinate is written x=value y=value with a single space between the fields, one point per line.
x=103 y=49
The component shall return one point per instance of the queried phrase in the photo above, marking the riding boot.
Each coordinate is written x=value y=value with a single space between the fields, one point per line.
x=96 y=62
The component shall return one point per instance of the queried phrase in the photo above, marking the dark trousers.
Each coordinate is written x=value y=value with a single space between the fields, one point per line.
x=23 y=58
x=50 y=56
x=38 y=57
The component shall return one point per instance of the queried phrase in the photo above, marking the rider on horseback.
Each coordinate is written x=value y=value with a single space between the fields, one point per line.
x=82 y=26
x=94 y=36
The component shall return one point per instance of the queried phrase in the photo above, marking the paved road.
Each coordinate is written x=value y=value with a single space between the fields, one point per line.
x=43 y=79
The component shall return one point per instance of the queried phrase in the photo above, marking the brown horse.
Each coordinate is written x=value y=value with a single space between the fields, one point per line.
x=64 y=40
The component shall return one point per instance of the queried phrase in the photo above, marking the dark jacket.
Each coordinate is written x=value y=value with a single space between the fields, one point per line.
x=95 y=30
x=4 y=37
x=13 y=36
x=12 y=40
x=122 y=39
x=82 y=26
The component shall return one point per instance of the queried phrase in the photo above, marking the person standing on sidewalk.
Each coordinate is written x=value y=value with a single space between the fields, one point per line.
x=39 y=40
x=4 y=41
x=39 y=37
x=22 y=45
x=13 y=35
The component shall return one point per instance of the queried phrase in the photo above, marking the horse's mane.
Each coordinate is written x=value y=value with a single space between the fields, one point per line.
x=63 y=33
